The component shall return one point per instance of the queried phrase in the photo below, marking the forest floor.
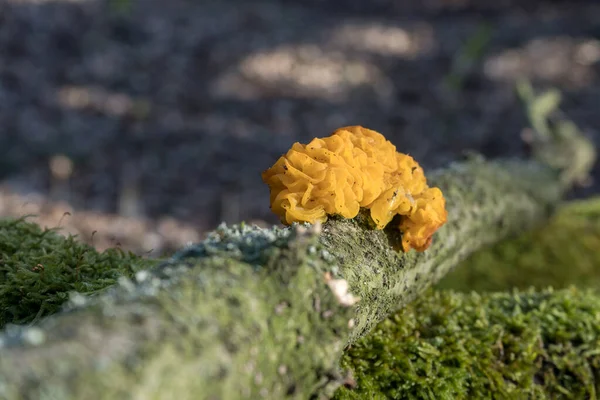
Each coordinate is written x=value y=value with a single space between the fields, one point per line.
x=144 y=124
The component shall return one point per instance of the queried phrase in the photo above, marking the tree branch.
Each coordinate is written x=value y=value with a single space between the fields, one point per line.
x=253 y=313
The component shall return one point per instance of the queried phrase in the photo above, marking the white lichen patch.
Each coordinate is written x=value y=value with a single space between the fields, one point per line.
x=339 y=287
x=141 y=276
x=33 y=336
x=77 y=300
x=126 y=284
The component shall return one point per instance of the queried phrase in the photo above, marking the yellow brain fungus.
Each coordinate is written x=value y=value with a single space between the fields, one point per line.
x=356 y=168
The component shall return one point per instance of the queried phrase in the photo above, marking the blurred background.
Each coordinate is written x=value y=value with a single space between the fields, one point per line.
x=145 y=123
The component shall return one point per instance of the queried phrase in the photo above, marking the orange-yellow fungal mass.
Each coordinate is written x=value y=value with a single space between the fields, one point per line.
x=356 y=168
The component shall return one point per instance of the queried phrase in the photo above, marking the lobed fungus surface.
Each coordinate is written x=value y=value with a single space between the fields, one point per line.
x=356 y=168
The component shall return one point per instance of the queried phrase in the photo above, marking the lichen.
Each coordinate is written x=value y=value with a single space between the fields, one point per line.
x=228 y=326
x=487 y=201
x=454 y=346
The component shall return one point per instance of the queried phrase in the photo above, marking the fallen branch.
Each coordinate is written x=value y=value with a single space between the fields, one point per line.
x=253 y=313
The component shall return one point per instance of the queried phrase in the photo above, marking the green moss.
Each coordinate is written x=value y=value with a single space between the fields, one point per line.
x=447 y=345
x=38 y=269
x=562 y=252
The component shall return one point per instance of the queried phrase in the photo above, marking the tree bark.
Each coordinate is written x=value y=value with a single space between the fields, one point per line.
x=255 y=313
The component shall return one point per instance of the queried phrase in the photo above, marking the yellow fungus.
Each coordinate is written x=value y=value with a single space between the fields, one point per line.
x=356 y=168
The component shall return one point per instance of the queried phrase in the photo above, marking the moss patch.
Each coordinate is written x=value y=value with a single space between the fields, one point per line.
x=520 y=345
x=562 y=252
x=38 y=269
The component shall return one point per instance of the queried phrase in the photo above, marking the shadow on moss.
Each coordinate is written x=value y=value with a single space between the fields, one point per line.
x=38 y=269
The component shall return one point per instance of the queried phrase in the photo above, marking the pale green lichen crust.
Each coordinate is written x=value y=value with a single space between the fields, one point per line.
x=553 y=339
x=486 y=201
x=520 y=345
x=237 y=324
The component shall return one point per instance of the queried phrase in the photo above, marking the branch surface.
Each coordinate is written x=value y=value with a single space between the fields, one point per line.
x=253 y=313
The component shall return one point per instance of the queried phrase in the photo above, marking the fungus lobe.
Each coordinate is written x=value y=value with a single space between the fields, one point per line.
x=356 y=168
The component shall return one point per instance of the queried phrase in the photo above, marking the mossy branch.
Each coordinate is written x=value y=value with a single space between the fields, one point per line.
x=253 y=313
x=561 y=252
